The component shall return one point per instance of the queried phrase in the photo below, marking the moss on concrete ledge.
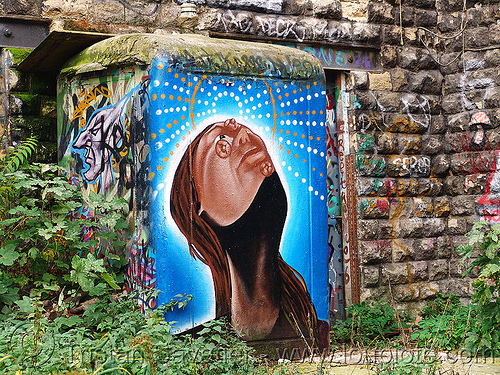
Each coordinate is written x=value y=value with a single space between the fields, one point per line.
x=197 y=53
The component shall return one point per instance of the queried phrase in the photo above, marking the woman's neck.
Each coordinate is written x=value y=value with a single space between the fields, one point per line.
x=252 y=247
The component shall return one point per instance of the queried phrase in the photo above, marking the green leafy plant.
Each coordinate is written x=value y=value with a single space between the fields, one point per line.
x=20 y=155
x=47 y=237
x=419 y=363
x=114 y=337
x=484 y=242
x=367 y=324
x=445 y=323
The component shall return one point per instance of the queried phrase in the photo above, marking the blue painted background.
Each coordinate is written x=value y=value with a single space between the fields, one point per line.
x=290 y=118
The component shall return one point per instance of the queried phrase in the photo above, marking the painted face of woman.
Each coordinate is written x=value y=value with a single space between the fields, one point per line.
x=230 y=164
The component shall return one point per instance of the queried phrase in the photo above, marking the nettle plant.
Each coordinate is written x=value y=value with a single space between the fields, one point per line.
x=484 y=242
x=47 y=246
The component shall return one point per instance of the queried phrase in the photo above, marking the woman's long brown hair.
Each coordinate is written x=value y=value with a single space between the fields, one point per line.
x=296 y=303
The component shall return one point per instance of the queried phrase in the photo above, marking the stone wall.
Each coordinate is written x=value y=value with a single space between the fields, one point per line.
x=28 y=106
x=423 y=128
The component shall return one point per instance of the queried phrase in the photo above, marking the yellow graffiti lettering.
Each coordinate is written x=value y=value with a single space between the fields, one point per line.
x=90 y=96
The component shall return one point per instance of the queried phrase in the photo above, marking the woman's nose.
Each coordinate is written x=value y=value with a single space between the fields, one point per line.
x=242 y=136
x=232 y=124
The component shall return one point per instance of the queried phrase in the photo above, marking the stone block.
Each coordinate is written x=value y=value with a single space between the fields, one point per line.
x=482 y=16
x=425 y=82
x=477 y=37
x=365 y=143
x=406 y=293
x=418 y=271
x=407 y=123
x=360 y=80
x=431 y=144
x=391 y=35
x=408 y=166
x=492 y=97
x=423 y=248
x=454 y=185
x=471 y=162
x=451 y=63
x=327 y=9
x=408 y=144
x=368 y=229
x=28 y=8
x=366 y=100
x=401 y=248
x=449 y=22
x=416 y=59
x=422 y=207
x=380 y=81
x=458 y=122
x=425 y=18
x=442 y=207
x=440 y=164
x=463 y=205
x=388 y=56
x=438 y=269
x=492 y=57
x=388 y=101
x=421 y=227
x=449 y=5
x=457 y=225
x=382 y=187
x=453 y=103
x=375 y=251
x=438 y=124
x=370 y=275
x=428 y=290
x=458 y=286
x=443 y=247
x=475 y=184
x=406 y=187
x=395 y=273
x=355 y=11
x=399 y=79
x=429 y=187
x=371 y=165
x=373 y=208
x=380 y=13
x=407 y=16
x=386 y=143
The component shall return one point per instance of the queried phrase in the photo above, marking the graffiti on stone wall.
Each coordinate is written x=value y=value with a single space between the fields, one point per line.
x=281 y=27
x=477 y=155
x=103 y=145
x=389 y=153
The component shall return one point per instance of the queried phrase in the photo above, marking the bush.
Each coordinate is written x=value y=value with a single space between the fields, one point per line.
x=445 y=323
x=484 y=240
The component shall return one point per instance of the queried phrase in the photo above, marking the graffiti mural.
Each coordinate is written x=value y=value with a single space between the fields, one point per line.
x=103 y=146
x=221 y=157
x=235 y=164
